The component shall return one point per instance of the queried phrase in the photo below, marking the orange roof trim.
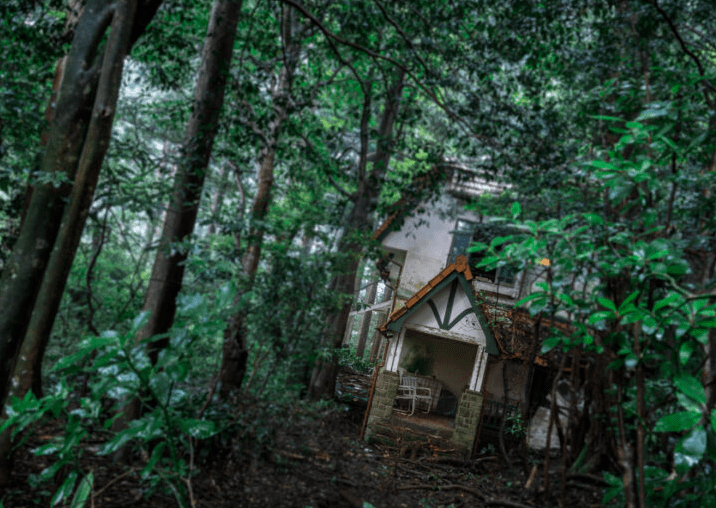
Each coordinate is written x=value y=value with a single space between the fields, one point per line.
x=460 y=265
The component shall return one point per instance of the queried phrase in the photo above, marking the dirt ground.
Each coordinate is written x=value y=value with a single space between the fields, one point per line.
x=307 y=459
x=321 y=462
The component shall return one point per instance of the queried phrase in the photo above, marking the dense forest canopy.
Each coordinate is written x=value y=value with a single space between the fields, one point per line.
x=180 y=181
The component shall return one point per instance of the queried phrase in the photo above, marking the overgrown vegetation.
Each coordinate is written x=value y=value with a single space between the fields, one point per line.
x=600 y=116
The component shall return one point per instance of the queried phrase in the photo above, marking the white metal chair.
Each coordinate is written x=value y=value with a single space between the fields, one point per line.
x=406 y=392
x=409 y=390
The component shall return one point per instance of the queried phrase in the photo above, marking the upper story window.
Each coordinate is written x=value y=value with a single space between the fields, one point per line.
x=464 y=234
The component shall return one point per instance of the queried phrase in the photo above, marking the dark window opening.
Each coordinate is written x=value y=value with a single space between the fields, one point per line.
x=466 y=233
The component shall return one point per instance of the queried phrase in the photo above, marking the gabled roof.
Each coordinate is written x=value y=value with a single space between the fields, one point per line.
x=458 y=273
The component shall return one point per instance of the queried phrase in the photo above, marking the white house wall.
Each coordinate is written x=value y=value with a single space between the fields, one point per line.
x=426 y=239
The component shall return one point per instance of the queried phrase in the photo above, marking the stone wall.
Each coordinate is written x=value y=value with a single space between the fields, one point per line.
x=467 y=419
x=386 y=386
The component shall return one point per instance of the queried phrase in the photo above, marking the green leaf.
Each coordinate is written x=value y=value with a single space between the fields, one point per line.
x=565 y=298
x=477 y=247
x=677 y=422
x=121 y=438
x=670 y=298
x=606 y=302
x=604 y=165
x=549 y=344
x=690 y=450
x=600 y=316
x=153 y=459
x=499 y=240
x=627 y=301
x=529 y=298
x=83 y=491
x=200 y=429
x=516 y=210
x=543 y=286
x=685 y=352
x=64 y=491
x=593 y=219
x=655 y=253
x=615 y=487
x=138 y=322
x=608 y=118
x=691 y=387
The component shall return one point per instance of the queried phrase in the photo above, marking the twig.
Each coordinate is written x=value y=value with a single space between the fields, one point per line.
x=187 y=480
x=686 y=50
x=589 y=478
x=332 y=37
x=208 y=397
x=450 y=486
x=113 y=480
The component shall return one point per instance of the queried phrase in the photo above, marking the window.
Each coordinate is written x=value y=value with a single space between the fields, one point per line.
x=466 y=233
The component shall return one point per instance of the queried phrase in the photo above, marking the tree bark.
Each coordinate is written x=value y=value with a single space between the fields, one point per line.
x=29 y=362
x=76 y=145
x=365 y=200
x=168 y=268
x=235 y=345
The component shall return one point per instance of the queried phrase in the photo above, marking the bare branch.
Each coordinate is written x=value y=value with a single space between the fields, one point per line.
x=331 y=37
x=339 y=188
x=686 y=50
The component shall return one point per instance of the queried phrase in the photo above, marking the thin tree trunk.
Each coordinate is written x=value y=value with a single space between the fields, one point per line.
x=235 y=345
x=217 y=201
x=365 y=200
x=168 y=268
x=503 y=420
x=26 y=265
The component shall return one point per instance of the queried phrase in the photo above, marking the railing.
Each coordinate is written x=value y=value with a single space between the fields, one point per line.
x=466 y=183
x=492 y=413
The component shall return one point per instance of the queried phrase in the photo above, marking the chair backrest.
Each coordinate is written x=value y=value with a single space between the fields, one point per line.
x=409 y=381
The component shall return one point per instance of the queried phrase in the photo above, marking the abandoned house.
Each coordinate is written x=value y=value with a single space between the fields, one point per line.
x=446 y=329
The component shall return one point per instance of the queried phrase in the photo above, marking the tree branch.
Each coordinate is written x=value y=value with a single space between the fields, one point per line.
x=331 y=37
x=686 y=50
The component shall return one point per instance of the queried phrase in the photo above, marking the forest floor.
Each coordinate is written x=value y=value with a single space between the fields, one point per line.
x=322 y=462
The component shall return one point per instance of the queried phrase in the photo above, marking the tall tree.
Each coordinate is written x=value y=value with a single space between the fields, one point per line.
x=76 y=146
x=235 y=348
x=360 y=220
x=168 y=269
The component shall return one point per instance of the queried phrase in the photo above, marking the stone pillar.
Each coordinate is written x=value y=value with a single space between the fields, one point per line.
x=386 y=386
x=468 y=417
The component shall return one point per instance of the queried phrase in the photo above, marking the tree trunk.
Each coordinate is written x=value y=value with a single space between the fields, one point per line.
x=76 y=145
x=217 y=202
x=235 y=345
x=29 y=362
x=365 y=200
x=234 y=348
x=168 y=268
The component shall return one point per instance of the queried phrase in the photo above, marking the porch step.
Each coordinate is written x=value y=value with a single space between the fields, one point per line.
x=413 y=434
